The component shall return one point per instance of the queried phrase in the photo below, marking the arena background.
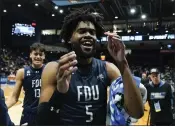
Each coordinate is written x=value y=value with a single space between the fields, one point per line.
x=147 y=28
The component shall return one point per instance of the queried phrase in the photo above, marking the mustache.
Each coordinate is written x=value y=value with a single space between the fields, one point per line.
x=88 y=39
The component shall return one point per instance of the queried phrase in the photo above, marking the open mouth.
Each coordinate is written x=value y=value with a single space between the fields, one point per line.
x=87 y=44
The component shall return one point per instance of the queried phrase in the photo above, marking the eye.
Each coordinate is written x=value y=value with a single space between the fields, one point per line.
x=92 y=32
x=82 y=31
x=39 y=54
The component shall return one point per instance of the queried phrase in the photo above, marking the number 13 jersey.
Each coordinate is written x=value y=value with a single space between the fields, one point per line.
x=32 y=85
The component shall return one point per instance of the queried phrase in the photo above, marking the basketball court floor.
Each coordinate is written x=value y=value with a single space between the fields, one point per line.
x=16 y=110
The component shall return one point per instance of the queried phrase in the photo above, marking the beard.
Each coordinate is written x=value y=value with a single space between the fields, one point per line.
x=82 y=52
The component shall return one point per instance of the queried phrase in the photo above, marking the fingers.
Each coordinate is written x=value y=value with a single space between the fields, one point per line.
x=118 y=39
x=66 y=61
x=67 y=58
x=66 y=66
x=114 y=41
x=66 y=55
x=68 y=72
x=115 y=45
x=109 y=34
x=112 y=35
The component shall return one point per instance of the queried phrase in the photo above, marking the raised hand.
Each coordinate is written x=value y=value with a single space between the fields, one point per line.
x=65 y=68
x=116 y=47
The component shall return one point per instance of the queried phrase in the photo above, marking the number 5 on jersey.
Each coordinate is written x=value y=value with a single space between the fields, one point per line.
x=90 y=114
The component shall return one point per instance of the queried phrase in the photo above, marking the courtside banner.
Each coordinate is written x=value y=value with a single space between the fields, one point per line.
x=3 y=80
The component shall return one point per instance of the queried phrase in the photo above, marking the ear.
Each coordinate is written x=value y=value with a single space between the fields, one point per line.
x=72 y=37
x=44 y=56
x=30 y=55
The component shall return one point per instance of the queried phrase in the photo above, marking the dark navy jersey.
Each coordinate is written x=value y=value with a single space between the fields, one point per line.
x=85 y=102
x=4 y=116
x=32 y=85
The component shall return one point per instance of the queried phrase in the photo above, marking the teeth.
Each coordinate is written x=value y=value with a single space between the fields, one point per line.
x=87 y=43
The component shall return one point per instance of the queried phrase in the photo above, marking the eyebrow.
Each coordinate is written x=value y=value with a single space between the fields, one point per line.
x=86 y=29
x=38 y=52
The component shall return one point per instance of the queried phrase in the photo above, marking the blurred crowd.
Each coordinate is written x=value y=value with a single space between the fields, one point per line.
x=167 y=74
x=13 y=59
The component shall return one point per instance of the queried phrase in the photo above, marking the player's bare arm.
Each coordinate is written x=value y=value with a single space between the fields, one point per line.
x=58 y=78
x=132 y=96
x=13 y=99
x=65 y=69
x=48 y=81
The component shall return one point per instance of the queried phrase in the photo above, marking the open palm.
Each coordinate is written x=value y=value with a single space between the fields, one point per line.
x=116 y=47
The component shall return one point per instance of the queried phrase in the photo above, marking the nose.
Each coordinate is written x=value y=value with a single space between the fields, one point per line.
x=87 y=34
x=38 y=56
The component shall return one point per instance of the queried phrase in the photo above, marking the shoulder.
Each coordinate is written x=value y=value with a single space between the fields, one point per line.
x=27 y=67
x=111 y=68
x=147 y=85
x=50 y=68
x=20 y=73
x=112 y=71
x=167 y=85
x=142 y=87
x=48 y=77
x=137 y=80
x=21 y=70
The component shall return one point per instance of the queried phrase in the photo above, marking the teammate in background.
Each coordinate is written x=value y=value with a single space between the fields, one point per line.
x=78 y=82
x=29 y=78
x=4 y=116
x=160 y=100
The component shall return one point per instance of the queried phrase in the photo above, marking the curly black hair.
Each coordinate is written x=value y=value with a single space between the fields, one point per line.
x=82 y=14
x=37 y=46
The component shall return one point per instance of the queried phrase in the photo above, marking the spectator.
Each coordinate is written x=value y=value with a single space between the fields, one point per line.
x=159 y=99
x=144 y=79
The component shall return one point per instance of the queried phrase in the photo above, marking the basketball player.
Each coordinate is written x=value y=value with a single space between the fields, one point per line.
x=4 y=116
x=78 y=82
x=30 y=79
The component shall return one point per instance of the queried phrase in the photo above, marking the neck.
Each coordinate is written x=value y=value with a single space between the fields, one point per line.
x=36 y=67
x=84 y=61
x=84 y=66
x=157 y=84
